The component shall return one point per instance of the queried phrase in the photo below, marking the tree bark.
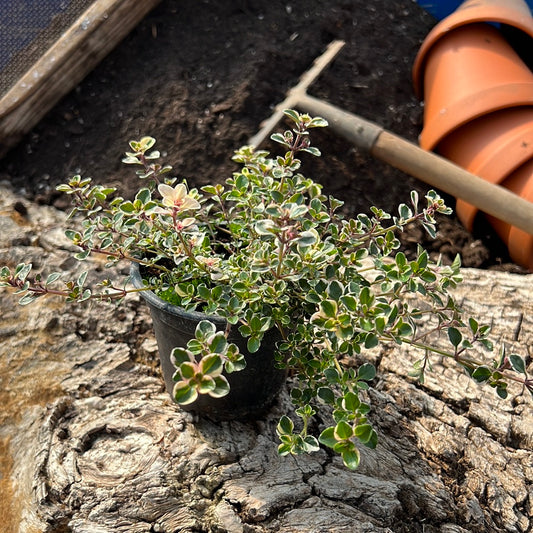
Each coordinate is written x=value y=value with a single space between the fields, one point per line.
x=96 y=446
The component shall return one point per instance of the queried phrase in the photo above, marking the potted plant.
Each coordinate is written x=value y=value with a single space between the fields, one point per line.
x=268 y=261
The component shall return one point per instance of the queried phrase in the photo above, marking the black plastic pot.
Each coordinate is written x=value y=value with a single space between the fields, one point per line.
x=253 y=389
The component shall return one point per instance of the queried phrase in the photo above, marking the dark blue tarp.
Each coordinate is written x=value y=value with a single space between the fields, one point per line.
x=443 y=8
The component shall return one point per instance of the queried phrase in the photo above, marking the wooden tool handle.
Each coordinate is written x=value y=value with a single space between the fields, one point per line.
x=297 y=92
x=426 y=166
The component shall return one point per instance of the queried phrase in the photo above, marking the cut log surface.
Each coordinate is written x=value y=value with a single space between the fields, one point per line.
x=96 y=446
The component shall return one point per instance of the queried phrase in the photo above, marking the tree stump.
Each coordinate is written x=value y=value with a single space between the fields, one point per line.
x=93 y=443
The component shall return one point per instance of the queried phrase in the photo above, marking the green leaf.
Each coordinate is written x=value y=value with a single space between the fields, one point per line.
x=81 y=256
x=81 y=279
x=52 y=277
x=518 y=363
x=474 y=325
x=400 y=260
x=351 y=402
x=127 y=207
x=414 y=198
x=180 y=355
x=143 y=195
x=326 y=395
x=501 y=390
x=284 y=449
x=332 y=375
x=328 y=308
x=85 y=295
x=221 y=389
x=205 y=384
x=210 y=189
x=253 y=344
x=351 y=458
x=310 y=444
x=363 y=432
x=292 y=114
x=28 y=298
x=482 y=373
x=423 y=259
x=327 y=437
x=404 y=211
x=211 y=364
x=318 y=122
x=455 y=336
x=131 y=160
x=343 y=431
x=265 y=227
x=335 y=290
x=307 y=238
x=279 y=138
x=204 y=330
x=371 y=341
x=381 y=323
x=184 y=394
x=153 y=155
x=366 y=297
x=366 y=372
x=350 y=303
x=312 y=150
x=241 y=182
x=285 y=426
x=5 y=273
x=430 y=229
x=22 y=271
x=428 y=277
x=218 y=343
x=372 y=442
x=187 y=370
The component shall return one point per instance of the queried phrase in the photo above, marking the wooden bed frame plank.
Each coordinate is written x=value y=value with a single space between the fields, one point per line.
x=94 y=34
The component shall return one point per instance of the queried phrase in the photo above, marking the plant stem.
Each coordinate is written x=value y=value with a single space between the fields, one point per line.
x=467 y=362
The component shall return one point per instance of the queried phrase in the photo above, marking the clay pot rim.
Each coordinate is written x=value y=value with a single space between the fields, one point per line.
x=518 y=242
x=468 y=212
x=464 y=209
x=513 y=137
x=461 y=17
x=504 y=96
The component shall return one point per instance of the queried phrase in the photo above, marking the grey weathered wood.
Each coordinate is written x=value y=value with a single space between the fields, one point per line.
x=97 y=446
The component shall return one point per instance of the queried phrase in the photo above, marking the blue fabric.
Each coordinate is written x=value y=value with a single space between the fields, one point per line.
x=441 y=9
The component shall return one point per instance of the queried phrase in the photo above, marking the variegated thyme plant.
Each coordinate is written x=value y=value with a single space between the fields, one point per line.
x=269 y=250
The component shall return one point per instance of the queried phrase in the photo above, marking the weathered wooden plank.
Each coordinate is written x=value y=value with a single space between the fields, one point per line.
x=96 y=32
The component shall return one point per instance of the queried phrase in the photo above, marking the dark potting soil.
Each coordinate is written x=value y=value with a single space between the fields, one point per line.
x=201 y=75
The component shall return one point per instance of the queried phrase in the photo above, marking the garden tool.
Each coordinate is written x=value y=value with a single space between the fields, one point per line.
x=400 y=153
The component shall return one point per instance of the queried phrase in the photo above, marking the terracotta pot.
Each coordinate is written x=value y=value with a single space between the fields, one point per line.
x=519 y=243
x=252 y=390
x=514 y=13
x=491 y=147
x=469 y=72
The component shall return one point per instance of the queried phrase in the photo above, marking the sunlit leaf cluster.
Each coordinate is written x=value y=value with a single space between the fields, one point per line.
x=268 y=249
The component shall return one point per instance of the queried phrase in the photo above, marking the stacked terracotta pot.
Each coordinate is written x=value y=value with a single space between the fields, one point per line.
x=478 y=94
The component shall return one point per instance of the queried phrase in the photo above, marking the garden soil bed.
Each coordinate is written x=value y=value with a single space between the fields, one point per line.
x=200 y=76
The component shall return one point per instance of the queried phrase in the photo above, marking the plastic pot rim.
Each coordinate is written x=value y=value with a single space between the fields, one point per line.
x=154 y=300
